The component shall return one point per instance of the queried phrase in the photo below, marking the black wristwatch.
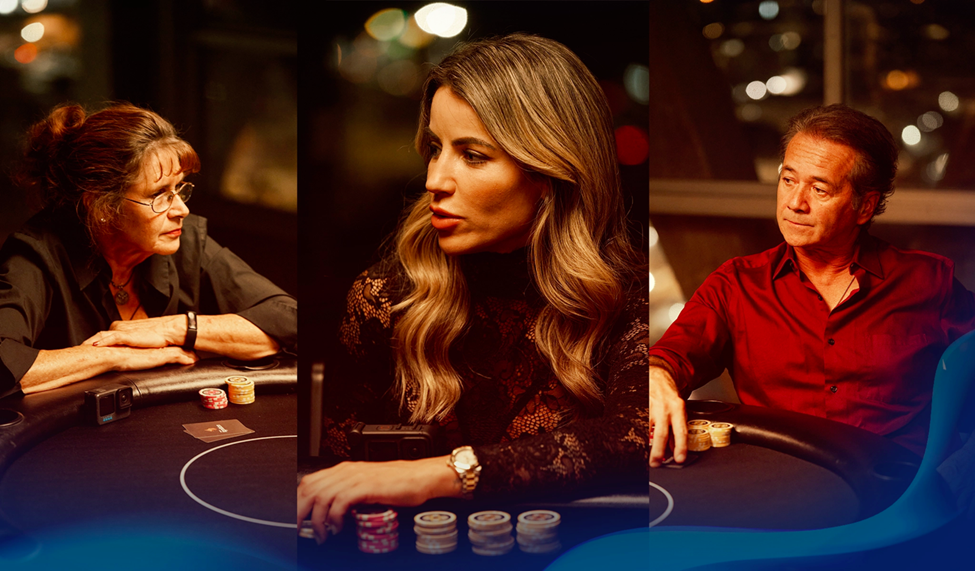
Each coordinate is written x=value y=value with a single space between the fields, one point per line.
x=190 y=340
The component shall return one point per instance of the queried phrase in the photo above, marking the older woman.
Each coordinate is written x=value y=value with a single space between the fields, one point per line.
x=513 y=311
x=114 y=273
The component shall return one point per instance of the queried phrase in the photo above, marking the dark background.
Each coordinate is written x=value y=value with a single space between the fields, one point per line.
x=347 y=213
x=358 y=165
x=223 y=72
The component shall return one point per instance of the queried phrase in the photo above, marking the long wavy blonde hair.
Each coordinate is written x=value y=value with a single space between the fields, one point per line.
x=544 y=108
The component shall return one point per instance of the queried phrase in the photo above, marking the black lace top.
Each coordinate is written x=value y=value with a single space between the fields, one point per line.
x=522 y=423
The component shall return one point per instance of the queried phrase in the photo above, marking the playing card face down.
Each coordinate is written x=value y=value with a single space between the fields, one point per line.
x=214 y=430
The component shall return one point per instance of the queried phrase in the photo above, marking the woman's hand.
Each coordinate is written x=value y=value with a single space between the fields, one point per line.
x=229 y=335
x=59 y=367
x=328 y=494
x=152 y=332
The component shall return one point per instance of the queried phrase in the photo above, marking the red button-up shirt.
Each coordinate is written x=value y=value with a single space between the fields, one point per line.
x=869 y=362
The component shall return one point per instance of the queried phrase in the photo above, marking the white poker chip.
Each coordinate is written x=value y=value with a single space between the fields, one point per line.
x=435 y=520
x=434 y=532
x=490 y=536
x=539 y=518
x=437 y=540
x=488 y=520
x=435 y=550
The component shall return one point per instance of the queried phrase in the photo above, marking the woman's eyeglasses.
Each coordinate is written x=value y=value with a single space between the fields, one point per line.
x=164 y=201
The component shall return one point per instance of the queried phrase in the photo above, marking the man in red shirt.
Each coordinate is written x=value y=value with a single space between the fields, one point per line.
x=832 y=322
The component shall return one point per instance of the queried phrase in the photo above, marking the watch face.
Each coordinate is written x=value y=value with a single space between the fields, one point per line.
x=465 y=458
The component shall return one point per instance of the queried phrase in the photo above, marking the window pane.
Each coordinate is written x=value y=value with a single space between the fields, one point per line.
x=730 y=75
x=909 y=65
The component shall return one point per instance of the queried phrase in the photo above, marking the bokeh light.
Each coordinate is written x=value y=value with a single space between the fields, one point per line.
x=632 y=145
x=948 y=101
x=936 y=32
x=776 y=85
x=33 y=6
x=32 y=32
x=441 y=19
x=935 y=171
x=732 y=47
x=636 y=78
x=911 y=135
x=768 y=9
x=387 y=24
x=897 y=80
x=26 y=53
x=713 y=30
x=414 y=37
x=653 y=281
x=8 y=6
x=795 y=81
x=652 y=237
x=930 y=121
x=756 y=90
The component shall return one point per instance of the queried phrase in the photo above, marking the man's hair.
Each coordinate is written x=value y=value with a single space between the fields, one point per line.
x=876 y=153
x=545 y=110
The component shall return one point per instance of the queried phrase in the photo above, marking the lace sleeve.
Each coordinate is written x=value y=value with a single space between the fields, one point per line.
x=362 y=368
x=609 y=447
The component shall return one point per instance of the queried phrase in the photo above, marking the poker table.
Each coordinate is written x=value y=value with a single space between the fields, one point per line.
x=783 y=471
x=583 y=517
x=142 y=493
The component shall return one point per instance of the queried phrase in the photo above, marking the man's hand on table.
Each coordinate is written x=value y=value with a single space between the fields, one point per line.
x=667 y=418
x=325 y=496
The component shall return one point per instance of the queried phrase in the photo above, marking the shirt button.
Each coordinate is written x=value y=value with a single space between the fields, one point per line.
x=833 y=389
x=831 y=342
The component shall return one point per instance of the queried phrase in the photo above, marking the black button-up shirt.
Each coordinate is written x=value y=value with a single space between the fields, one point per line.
x=54 y=289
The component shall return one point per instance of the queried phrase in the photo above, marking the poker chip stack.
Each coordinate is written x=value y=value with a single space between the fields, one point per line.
x=698 y=439
x=241 y=390
x=213 y=398
x=490 y=533
x=538 y=531
x=720 y=434
x=436 y=532
x=377 y=528
x=305 y=530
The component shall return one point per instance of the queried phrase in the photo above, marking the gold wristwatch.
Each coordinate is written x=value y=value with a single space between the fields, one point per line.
x=464 y=462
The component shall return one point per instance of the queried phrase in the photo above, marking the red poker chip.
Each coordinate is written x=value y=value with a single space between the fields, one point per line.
x=383 y=528
x=372 y=547
x=377 y=524
x=374 y=518
x=369 y=535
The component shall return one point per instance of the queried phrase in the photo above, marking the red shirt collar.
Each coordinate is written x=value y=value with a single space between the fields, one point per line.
x=867 y=256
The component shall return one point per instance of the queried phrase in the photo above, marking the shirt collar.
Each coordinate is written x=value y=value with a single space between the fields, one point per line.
x=87 y=264
x=867 y=256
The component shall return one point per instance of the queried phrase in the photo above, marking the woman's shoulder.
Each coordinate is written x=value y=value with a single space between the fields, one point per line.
x=382 y=282
x=50 y=234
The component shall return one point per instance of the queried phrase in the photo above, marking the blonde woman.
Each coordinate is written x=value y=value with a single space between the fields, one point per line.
x=513 y=309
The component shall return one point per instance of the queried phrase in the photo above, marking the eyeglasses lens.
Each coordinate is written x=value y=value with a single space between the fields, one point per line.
x=163 y=202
